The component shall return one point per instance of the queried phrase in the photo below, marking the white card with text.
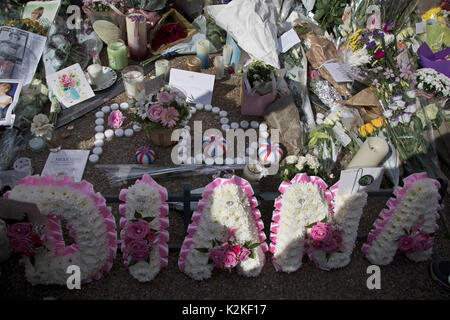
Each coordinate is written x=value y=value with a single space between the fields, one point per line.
x=361 y=179
x=66 y=162
x=337 y=72
x=198 y=87
x=288 y=40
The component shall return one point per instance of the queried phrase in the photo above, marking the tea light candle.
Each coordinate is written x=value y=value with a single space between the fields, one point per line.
x=37 y=144
x=203 y=53
x=137 y=36
x=99 y=136
x=225 y=127
x=109 y=133
x=224 y=120
x=244 y=124
x=194 y=64
x=98 y=143
x=215 y=110
x=114 y=106
x=106 y=109
x=227 y=53
x=219 y=67
x=99 y=114
x=117 y=54
x=99 y=121
x=97 y=150
x=162 y=67
x=124 y=106
x=93 y=158
x=99 y=128
x=254 y=124
x=119 y=132
x=371 y=153
x=199 y=106
x=128 y=132
x=136 y=127
x=234 y=125
x=133 y=79
x=208 y=107
x=223 y=114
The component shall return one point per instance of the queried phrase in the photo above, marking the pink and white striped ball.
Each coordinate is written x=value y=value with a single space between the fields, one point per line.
x=145 y=155
x=270 y=152
x=214 y=146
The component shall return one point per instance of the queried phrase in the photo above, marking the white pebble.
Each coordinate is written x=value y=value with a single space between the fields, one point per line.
x=216 y=110
x=124 y=106
x=224 y=120
x=199 y=106
x=254 y=124
x=106 y=109
x=118 y=132
x=128 y=132
x=98 y=143
x=223 y=114
x=99 y=121
x=244 y=124
x=99 y=114
x=209 y=161
x=218 y=160
x=93 y=158
x=99 y=136
x=109 y=133
x=225 y=127
x=234 y=125
x=114 y=106
x=99 y=128
x=97 y=150
x=137 y=127
x=208 y=107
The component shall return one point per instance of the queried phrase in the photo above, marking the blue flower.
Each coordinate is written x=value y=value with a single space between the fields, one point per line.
x=370 y=44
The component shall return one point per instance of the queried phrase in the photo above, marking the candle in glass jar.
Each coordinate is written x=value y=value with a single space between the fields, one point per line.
x=218 y=65
x=133 y=80
x=117 y=54
x=162 y=67
x=227 y=53
x=371 y=153
x=203 y=52
x=194 y=64
x=137 y=36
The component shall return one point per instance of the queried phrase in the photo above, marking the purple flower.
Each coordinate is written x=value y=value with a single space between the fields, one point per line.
x=375 y=83
x=389 y=74
x=370 y=44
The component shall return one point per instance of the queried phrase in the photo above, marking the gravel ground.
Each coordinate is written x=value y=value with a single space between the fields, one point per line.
x=402 y=279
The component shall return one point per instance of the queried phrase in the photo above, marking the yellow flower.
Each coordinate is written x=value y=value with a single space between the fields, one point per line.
x=378 y=123
x=369 y=128
x=434 y=13
x=362 y=131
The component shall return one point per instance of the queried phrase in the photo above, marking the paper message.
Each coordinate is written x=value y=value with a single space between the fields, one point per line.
x=361 y=179
x=197 y=87
x=337 y=72
x=66 y=162
x=288 y=40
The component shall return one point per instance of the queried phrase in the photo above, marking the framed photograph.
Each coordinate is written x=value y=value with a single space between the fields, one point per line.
x=43 y=12
x=9 y=96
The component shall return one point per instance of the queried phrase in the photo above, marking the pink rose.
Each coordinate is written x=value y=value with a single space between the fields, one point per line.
x=137 y=230
x=151 y=236
x=139 y=249
x=423 y=242
x=406 y=243
x=316 y=244
x=169 y=117
x=154 y=112
x=237 y=249
x=320 y=231
x=20 y=230
x=245 y=253
x=217 y=255
x=330 y=245
x=115 y=119
x=165 y=97
x=24 y=245
x=230 y=260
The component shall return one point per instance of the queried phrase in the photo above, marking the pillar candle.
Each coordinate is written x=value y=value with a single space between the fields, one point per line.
x=203 y=52
x=218 y=65
x=133 y=80
x=227 y=53
x=117 y=55
x=162 y=67
x=137 y=36
x=371 y=153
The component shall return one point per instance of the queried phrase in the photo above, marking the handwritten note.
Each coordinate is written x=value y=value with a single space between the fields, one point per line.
x=337 y=72
x=288 y=40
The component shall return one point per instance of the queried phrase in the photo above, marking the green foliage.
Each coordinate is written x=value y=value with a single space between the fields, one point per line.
x=329 y=13
x=260 y=72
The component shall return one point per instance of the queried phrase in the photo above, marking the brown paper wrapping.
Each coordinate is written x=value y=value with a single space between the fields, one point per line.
x=321 y=51
x=367 y=103
x=283 y=115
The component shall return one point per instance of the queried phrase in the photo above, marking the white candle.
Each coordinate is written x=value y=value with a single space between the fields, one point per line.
x=129 y=132
x=371 y=153
x=162 y=67
x=219 y=66
x=119 y=132
x=234 y=125
x=99 y=136
x=137 y=36
x=98 y=143
x=99 y=114
x=95 y=73
x=106 y=109
x=124 y=106
x=203 y=52
x=224 y=120
x=93 y=158
x=99 y=121
x=223 y=114
x=114 y=106
x=225 y=127
x=199 y=106
x=244 y=124
x=109 y=133
x=133 y=79
x=97 y=150
x=208 y=107
x=254 y=124
x=99 y=128
x=227 y=53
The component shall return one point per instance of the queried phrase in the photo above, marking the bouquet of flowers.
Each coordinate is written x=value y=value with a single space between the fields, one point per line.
x=372 y=129
x=25 y=239
x=228 y=254
x=434 y=84
x=103 y=5
x=165 y=109
x=308 y=164
x=27 y=25
x=259 y=76
x=169 y=33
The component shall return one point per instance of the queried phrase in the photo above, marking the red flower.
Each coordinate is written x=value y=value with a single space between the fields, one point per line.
x=168 y=33
x=379 y=54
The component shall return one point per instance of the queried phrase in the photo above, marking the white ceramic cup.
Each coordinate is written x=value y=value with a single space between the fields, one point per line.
x=95 y=72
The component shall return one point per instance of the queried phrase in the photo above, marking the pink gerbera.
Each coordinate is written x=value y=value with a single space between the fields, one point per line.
x=169 y=117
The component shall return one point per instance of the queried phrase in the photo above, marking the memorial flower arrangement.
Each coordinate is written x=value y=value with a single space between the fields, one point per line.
x=372 y=128
x=308 y=164
x=144 y=222
x=433 y=83
x=164 y=109
x=27 y=25
x=45 y=254
x=167 y=34
x=227 y=230
x=103 y=5
x=408 y=223
x=115 y=119
x=259 y=76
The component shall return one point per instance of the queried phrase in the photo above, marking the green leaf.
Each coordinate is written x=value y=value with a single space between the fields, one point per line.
x=252 y=256
x=324 y=220
x=202 y=250
x=254 y=245
x=137 y=215
x=132 y=263
x=149 y=219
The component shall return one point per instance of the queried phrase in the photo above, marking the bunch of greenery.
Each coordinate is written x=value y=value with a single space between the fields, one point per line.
x=329 y=13
x=258 y=72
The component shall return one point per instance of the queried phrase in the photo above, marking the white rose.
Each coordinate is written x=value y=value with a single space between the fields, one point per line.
x=291 y=159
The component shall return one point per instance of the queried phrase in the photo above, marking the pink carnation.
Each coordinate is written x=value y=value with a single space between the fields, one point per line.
x=137 y=230
x=169 y=117
x=245 y=253
x=320 y=231
x=230 y=260
x=139 y=249
x=423 y=242
x=154 y=112
x=165 y=97
x=237 y=249
x=20 y=230
x=115 y=119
